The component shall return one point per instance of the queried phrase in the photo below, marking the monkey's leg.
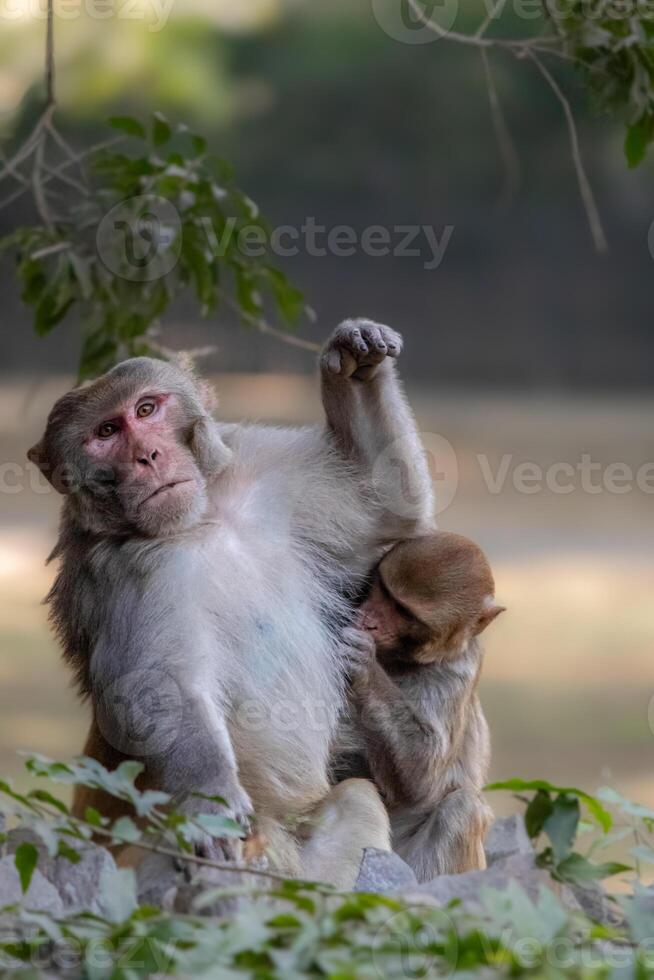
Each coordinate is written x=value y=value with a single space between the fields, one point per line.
x=448 y=840
x=351 y=818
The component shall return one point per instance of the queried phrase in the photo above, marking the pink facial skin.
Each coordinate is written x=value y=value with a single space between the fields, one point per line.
x=153 y=470
x=380 y=616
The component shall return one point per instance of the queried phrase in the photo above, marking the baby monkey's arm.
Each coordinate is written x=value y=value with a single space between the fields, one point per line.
x=407 y=737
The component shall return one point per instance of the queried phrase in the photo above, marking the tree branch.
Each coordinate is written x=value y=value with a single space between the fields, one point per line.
x=49 y=57
x=512 y=170
x=585 y=189
x=262 y=325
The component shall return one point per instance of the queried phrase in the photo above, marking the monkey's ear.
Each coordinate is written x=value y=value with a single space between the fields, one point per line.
x=57 y=476
x=211 y=453
x=491 y=612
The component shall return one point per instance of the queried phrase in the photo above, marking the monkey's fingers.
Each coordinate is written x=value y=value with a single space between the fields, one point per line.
x=340 y=361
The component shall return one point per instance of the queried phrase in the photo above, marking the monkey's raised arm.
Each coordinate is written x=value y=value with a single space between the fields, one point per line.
x=370 y=422
x=407 y=737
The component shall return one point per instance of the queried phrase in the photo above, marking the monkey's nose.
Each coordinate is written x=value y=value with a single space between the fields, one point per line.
x=147 y=458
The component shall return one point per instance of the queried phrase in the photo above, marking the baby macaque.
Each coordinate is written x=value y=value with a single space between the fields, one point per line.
x=415 y=724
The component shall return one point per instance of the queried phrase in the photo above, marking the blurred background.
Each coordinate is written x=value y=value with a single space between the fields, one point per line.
x=528 y=354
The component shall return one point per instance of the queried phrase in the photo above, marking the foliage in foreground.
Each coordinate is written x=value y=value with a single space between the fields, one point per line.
x=298 y=929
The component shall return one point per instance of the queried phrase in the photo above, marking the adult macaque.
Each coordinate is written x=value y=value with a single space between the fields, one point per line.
x=416 y=725
x=202 y=568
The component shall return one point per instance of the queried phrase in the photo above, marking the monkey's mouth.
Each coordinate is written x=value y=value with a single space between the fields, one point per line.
x=164 y=488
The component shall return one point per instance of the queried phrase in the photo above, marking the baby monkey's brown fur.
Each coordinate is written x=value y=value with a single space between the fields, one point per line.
x=416 y=726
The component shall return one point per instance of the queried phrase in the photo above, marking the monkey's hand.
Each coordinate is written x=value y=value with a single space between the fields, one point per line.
x=360 y=657
x=211 y=844
x=358 y=348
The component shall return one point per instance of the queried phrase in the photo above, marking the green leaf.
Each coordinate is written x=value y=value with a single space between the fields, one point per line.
x=537 y=812
x=217 y=825
x=577 y=868
x=639 y=136
x=595 y=808
x=43 y=796
x=198 y=143
x=26 y=858
x=561 y=825
x=128 y=125
x=92 y=816
x=212 y=799
x=125 y=829
x=290 y=301
x=66 y=851
x=161 y=131
x=118 y=889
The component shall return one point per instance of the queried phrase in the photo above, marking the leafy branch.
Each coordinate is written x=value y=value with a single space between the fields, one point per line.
x=554 y=812
x=160 y=829
x=293 y=928
x=125 y=230
x=611 y=44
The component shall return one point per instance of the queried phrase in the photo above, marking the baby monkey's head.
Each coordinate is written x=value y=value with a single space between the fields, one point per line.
x=429 y=597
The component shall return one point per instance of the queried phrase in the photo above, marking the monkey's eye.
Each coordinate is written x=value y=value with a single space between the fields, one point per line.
x=145 y=409
x=107 y=429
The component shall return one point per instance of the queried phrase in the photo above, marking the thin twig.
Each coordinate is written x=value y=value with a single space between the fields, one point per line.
x=39 y=192
x=587 y=197
x=505 y=143
x=65 y=179
x=159 y=849
x=266 y=328
x=474 y=40
x=55 y=173
x=49 y=57
x=41 y=253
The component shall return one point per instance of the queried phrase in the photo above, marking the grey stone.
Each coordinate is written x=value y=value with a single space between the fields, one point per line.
x=467 y=887
x=205 y=879
x=505 y=838
x=593 y=902
x=77 y=884
x=158 y=878
x=383 y=871
x=41 y=896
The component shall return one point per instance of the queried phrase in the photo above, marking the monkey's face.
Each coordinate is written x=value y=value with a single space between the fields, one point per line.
x=139 y=456
x=393 y=626
x=427 y=622
x=127 y=450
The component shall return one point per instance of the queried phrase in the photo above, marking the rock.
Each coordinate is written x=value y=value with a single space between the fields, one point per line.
x=206 y=879
x=507 y=837
x=41 y=896
x=468 y=886
x=77 y=884
x=158 y=879
x=593 y=902
x=383 y=871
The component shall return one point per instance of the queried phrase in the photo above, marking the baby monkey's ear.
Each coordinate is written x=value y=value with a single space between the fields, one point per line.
x=490 y=612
